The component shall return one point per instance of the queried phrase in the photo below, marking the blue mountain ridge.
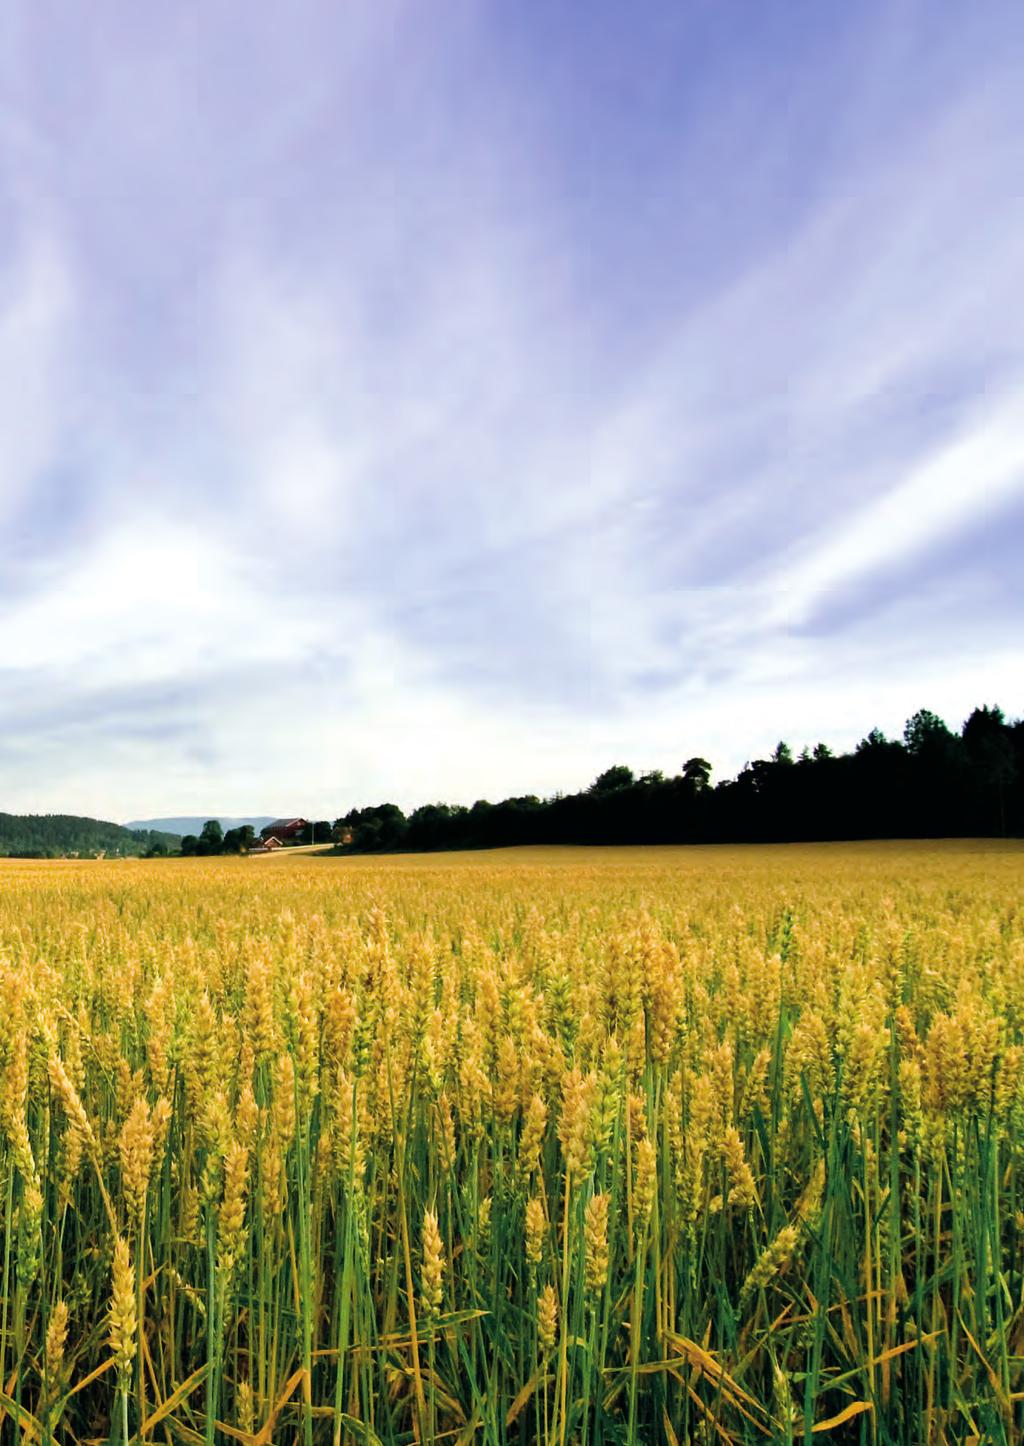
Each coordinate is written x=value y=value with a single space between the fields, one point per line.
x=195 y=824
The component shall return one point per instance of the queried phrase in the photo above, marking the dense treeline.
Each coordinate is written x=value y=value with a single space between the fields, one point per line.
x=931 y=783
x=54 y=835
x=212 y=840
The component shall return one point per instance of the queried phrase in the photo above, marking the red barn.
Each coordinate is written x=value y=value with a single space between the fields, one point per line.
x=285 y=830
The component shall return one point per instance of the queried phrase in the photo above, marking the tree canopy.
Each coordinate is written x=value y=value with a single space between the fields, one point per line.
x=932 y=783
x=53 y=835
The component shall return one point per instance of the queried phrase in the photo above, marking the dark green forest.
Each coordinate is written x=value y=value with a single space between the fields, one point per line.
x=56 y=835
x=931 y=783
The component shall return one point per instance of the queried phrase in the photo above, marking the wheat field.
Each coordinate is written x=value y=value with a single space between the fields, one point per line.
x=603 y=1146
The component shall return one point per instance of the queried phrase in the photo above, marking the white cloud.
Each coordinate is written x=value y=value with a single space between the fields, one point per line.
x=966 y=480
x=385 y=523
x=36 y=311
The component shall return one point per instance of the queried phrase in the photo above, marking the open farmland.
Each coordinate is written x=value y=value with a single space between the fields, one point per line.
x=544 y=1145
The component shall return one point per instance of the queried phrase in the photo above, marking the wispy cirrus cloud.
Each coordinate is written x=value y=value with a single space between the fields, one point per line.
x=438 y=406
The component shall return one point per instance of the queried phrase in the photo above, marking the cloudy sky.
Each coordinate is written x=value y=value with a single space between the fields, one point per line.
x=448 y=400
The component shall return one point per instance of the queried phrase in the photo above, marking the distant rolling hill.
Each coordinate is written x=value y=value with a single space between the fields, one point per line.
x=183 y=826
x=51 y=835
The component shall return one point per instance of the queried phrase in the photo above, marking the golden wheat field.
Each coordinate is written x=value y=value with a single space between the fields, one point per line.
x=574 y=1146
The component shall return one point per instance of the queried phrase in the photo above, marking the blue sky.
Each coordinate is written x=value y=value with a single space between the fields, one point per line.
x=444 y=401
